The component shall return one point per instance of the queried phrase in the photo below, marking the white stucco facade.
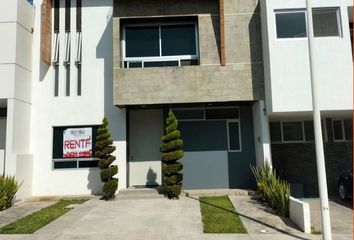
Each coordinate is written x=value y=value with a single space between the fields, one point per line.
x=286 y=62
x=94 y=103
x=16 y=25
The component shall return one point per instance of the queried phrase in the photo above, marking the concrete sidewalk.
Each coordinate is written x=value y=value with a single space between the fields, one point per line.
x=153 y=219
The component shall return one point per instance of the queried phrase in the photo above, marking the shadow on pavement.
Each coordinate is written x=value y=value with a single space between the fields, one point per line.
x=347 y=203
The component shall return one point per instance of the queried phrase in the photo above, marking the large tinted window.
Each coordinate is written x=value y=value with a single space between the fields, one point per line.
x=142 y=41
x=348 y=129
x=290 y=24
x=178 y=40
x=292 y=131
x=337 y=130
x=325 y=22
x=234 y=136
x=275 y=131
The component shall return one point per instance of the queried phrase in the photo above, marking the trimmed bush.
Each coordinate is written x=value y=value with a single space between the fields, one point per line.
x=167 y=170
x=174 y=179
x=8 y=190
x=171 y=136
x=172 y=156
x=107 y=173
x=171 y=150
x=103 y=151
x=175 y=144
x=272 y=189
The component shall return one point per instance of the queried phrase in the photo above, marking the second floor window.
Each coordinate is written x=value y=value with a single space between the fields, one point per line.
x=160 y=45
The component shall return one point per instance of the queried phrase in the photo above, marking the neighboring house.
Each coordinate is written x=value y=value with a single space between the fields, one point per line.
x=16 y=68
x=227 y=77
x=288 y=89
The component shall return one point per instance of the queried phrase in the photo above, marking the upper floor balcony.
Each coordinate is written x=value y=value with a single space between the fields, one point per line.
x=286 y=55
x=186 y=51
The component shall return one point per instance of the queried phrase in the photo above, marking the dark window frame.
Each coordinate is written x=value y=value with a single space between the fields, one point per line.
x=305 y=136
x=56 y=159
x=289 y=11
x=343 y=128
x=338 y=18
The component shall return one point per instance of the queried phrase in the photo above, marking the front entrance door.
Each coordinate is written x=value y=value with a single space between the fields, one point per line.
x=145 y=131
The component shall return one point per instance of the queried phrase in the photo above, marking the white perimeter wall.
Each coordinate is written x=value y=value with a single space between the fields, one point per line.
x=286 y=62
x=88 y=109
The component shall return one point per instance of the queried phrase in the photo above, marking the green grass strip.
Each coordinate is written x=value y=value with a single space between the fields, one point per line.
x=219 y=216
x=33 y=222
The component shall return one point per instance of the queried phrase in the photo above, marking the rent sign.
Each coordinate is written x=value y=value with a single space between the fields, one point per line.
x=77 y=142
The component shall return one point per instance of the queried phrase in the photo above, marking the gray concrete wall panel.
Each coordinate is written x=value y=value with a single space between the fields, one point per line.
x=205 y=170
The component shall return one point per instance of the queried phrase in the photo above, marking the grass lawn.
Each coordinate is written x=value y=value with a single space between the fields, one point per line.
x=219 y=216
x=37 y=220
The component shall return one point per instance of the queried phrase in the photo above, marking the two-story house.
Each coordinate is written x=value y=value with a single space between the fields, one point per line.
x=235 y=73
x=288 y=88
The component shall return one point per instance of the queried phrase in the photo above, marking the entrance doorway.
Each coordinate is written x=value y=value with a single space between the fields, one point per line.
x=145 y=131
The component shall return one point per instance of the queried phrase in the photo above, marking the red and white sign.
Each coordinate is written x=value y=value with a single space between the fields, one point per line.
x=77 y=142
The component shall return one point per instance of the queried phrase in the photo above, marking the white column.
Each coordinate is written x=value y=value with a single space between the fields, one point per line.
x=321 y=168
x=261 y=134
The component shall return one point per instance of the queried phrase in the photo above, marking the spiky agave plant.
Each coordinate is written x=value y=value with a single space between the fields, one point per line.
x=272 y=189
x=171 y=150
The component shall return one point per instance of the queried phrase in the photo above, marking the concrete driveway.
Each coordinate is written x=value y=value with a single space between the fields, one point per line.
x=341 y=217
x=129 y=219
x=155 y=218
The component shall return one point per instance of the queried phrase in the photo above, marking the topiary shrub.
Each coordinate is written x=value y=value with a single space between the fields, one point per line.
x=171 y=150
x=104 y=150
x=8 y=190
x=272 y=189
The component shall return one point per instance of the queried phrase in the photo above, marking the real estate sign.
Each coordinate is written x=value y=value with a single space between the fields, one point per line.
x=77 y=142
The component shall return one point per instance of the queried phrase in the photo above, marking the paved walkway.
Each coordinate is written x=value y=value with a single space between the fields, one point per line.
x=340 y=212
x=262 y=223
x=155 y=219
x=19 y=210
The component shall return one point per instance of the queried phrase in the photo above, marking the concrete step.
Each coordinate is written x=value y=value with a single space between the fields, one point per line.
x=140 y=193
x=218 y=192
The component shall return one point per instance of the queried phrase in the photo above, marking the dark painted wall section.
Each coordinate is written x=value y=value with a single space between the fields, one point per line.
x=296 y=163
x=240 y=175
x=203 y=136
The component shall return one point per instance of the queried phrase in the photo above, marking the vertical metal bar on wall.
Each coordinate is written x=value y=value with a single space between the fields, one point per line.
x=222 y=32
x=320 y=159
x=79 y=44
